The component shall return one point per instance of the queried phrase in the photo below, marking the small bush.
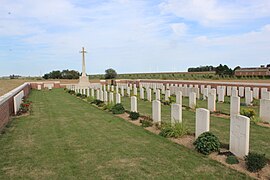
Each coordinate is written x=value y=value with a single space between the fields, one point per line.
x=206 y=143
x=118 y=109
x=71 y=92
x=248 y=112
x=243 y=104
x=255 y=120
x=90 y=99
x=83 y=96
x=166 y=103
x=108 y=107
x=24 y=107
x=232 y=160
x=99 y=103
x=146 y=121
x=172 y=100
x=78 y=94
x=255 y=161
x=177 y=130
x=134 y=115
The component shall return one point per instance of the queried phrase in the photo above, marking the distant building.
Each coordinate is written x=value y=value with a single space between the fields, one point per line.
x=256 y=71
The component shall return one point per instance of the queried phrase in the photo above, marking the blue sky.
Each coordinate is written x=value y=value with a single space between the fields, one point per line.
x=39 y=36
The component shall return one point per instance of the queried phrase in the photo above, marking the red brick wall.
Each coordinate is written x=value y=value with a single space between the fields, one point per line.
x=56 y=85
x=4 y=114
x=7 y=107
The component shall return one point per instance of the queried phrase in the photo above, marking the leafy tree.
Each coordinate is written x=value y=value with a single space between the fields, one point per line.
x=110 y=74
x=201 y=69
x=65 y=74
x=56 y=74
x=223 y=70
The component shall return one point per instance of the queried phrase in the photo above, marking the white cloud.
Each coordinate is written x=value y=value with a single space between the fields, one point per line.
x=179 y=29
x=217 y=12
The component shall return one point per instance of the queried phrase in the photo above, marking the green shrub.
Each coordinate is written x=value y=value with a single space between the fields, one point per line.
x=71 y=92
x=108 y=107
x=171 y=99
x=177 y=130
x=255 y=161
x=146 y=121
x=90 y=99
x=248 y=112
x=232 y=160
x=243 y=104
x=78 y=94
x=134 y=115
x=206 y=143
x=166 y=103
x=99 y=103
x=118 y=109
x=83 y=96
x=24 y=107
x=255 y=120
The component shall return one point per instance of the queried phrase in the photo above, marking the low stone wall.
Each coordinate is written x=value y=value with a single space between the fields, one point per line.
x=7 y=103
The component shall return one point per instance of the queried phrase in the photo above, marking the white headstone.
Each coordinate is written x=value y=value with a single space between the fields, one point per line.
x=248 y=97
x=202 y=121
x=135 y=91
x=149 y=95
x=142 y=93
x=156 y=111
x=205 y=93
x=117 y=98
x=128 y=91
x=105 y=99
x=179 y=98
x=192 y=100
x=101 y=95
x=235 y=92
x=133 y=104
x=235 y=106
x=158 y=94
x=256 y=92
x=18 y=101
x=122 y=91
x=221 y=95
x=163 y=89
x=111 y=99
x=212 y=100
x=88 y=92
x=265 y=110
x=98 y=94
x=229 y=90
x=265 y=95
x=93 y=92
x=241 y=91
x=176 y=113
x=239 y=135
x=167 y=95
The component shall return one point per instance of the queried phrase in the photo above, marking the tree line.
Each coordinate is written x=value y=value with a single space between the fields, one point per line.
x=65 y=74
x=221 y=70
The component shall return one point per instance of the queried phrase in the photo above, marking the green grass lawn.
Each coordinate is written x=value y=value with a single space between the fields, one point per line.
x=67 y=138
x=259 y=136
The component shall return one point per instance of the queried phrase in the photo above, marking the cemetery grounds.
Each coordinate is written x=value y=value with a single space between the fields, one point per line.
x=67 y=138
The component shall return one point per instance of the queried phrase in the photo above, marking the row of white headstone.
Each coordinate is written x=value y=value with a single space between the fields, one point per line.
x=226 y=90
x=208 y=94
